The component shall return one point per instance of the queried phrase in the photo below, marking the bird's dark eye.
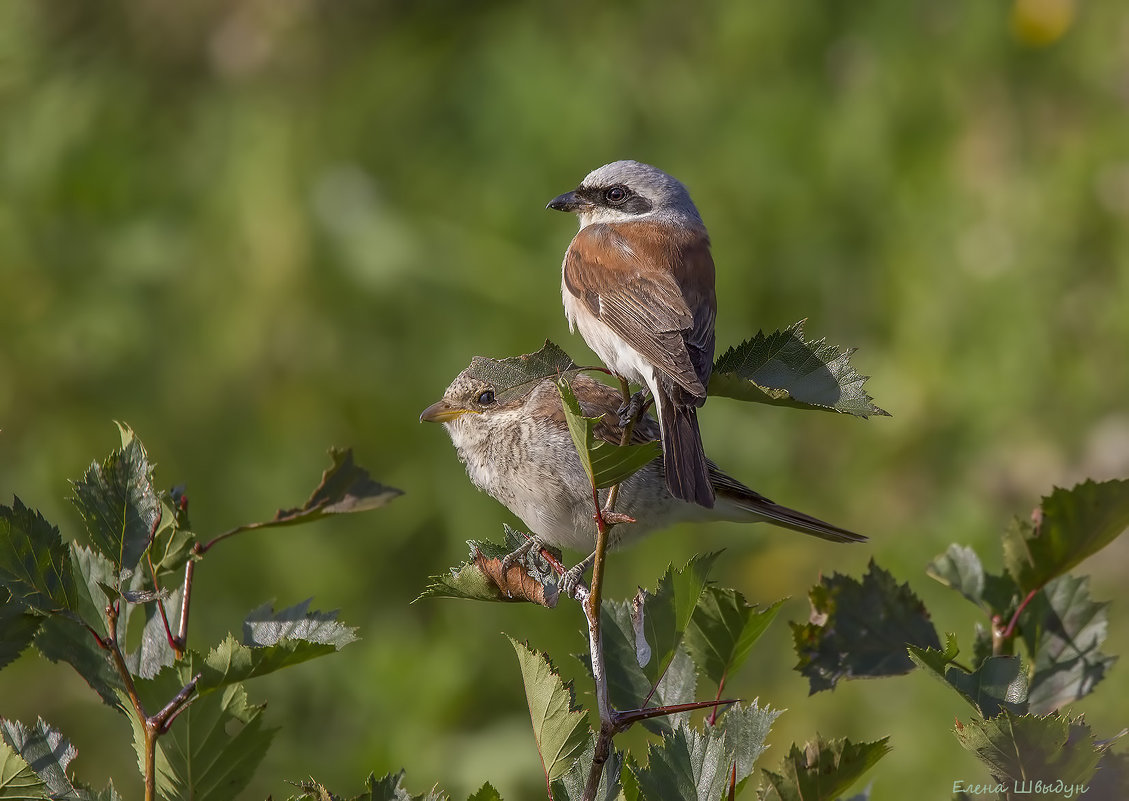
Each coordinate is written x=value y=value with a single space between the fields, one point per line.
x=486 y=398
x=616 y=195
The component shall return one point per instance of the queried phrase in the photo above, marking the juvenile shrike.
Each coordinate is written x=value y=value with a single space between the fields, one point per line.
x=638 y=281
x=520 y=452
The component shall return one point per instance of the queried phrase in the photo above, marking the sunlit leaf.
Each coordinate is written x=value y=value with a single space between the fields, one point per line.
x=35 y=564
x=45 y=750
x=821 y=770
x=516 y=376
x=118 y=503
x=213 y=747
x=784 y=369
x=1063 y=630
x=1028 y=748
x=571 y=786
x=999 y=684
x=605 y=463
x=688 y=765
x=860 y=629
x=959 y=567
x=560 y=728
x=18 y=781
x=724 y=629
x=1068 y=526
x=272 y=641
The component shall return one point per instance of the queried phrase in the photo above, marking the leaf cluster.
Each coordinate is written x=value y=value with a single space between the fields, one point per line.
x=196 y=733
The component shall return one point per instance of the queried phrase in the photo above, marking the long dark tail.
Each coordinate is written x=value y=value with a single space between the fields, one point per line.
x=739 y=503
x=684 y=460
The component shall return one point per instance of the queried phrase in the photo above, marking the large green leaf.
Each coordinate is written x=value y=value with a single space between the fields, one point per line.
x=572 y=785
x=272 y=641
x=213 y=747
x=18 y=781
x=822 y=770
x=45 y=750
x=604 y=462
x=560 y=728
x=61 y=639
x=723 y=630
x=998 y=684
x=784 y=369
x=18 y=628
x=35 y=564
x=1068 y=526
x=860 y=629
x=667 y=611
x=688 y=765
x=1028 y=748
x=118 y=503
x=1063 y=629
x=516 y=376
x=345 y=487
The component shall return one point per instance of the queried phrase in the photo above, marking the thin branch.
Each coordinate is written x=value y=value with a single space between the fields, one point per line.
x=163 y=719
x=185 y=602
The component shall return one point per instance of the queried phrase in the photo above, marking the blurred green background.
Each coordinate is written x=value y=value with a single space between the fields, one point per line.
x=256 y=228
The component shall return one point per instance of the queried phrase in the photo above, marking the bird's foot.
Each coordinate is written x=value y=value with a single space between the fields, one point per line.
x=574 y=577
x=630 y=410
x=534 y=543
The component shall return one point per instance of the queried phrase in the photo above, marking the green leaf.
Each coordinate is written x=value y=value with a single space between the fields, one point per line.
x=118 y=503
x=822 y=770
x=746 y=728
x=272 y=641
x=1063 y=629
x=344 y=488
x=723 y=630
x=572 y=785
x=35 y=564
x=559 y=726
x=1027 y=748
x=688 y=765
x=481 y=578
x=605 y=463
x=155 y=653
x=860 y=629
x=1068 y=526
x=516 y=376
x=959 y=567
x=639 y=650
x=61 y=639
x=213 y=747
x=784 y=369
x=998 y=685
x=486 y=793
x=33 y=765
x=45 y=750
x=17 y=628
x=17 y=780
x=667 y=612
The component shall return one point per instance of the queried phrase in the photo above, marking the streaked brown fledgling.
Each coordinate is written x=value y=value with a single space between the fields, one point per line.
x=521 y=453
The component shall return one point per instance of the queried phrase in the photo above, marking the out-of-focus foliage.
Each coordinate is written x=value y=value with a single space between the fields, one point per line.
x=259 y=227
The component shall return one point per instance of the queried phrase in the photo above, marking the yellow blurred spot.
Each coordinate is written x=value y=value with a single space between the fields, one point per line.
x=1041 y=22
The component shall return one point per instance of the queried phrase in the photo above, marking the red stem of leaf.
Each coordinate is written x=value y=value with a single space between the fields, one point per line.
x=1010 y=630
x=720 y=687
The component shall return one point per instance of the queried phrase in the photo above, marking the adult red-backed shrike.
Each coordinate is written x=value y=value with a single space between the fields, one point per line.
x=638 y=282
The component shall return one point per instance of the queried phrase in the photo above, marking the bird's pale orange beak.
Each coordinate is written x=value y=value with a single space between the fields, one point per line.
x=441 y=412
x=569 y=201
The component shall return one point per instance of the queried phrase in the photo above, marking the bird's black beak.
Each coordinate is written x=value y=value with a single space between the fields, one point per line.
x=569 y=201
